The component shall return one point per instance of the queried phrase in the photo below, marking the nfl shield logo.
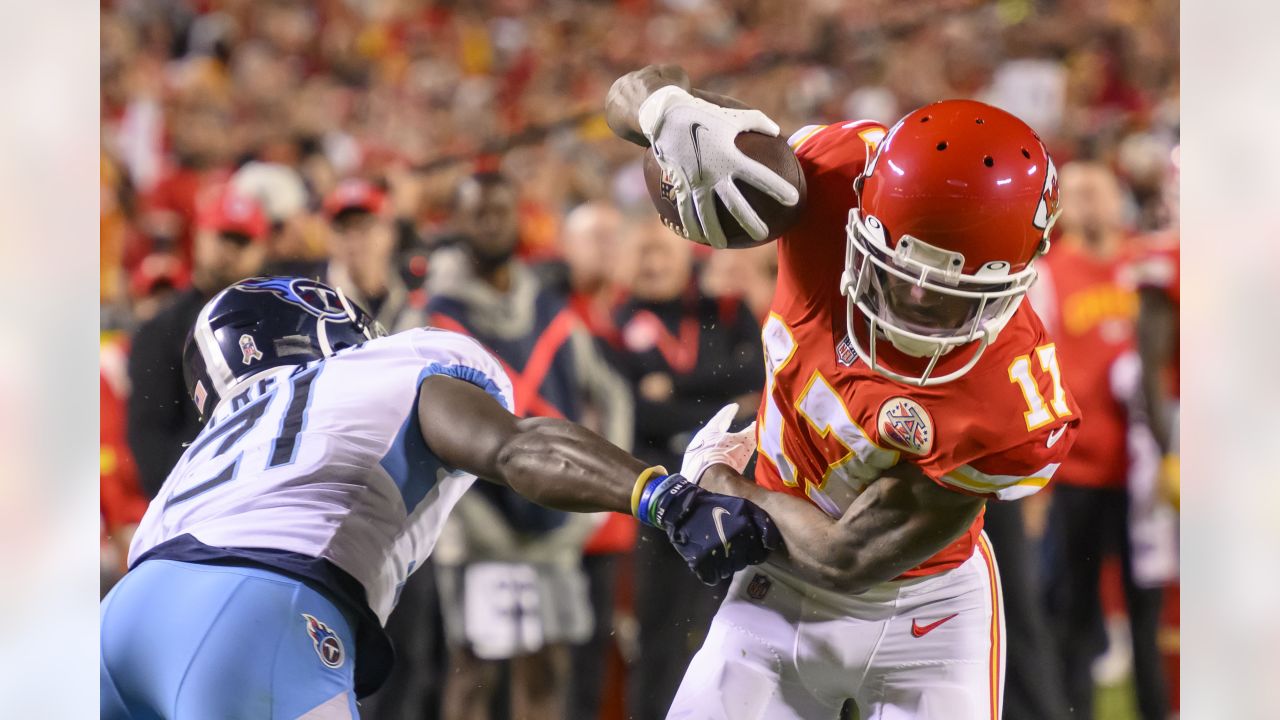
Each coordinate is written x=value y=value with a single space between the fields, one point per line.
x=759 y=587
x=905 y=424
x=844 y=352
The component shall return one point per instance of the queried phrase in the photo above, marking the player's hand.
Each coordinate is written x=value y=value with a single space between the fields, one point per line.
x=717 y=535
x=693 y=141
x=715 y=444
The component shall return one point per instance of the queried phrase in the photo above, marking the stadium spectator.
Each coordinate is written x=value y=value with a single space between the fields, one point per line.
x=299 y=95
x=362 y=255
x=1089 y=308
x=751 y=274
x=686 y=355
x=510 y=575
x=590 y=241
x=295 y=239
x=228 y=247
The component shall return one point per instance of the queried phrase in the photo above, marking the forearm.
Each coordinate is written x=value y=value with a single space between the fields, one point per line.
x=622 y=104
x=894 y=525
x=567 y=467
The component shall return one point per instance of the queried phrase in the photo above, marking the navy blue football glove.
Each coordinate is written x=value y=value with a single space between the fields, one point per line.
x=717 y=535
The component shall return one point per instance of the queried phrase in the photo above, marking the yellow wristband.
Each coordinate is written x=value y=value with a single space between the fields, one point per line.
x=641 y=480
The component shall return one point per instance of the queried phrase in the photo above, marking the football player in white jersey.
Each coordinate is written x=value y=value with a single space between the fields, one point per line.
x=263 y=571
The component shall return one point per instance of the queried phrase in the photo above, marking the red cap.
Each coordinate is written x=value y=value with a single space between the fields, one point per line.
x=354 y=194
x=230 y=212
x=154 y=270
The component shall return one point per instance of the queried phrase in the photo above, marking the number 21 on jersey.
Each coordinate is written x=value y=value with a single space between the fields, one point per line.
x=1039 y=413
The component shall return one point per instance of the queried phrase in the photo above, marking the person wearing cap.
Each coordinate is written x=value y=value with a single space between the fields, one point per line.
x=362 y=254
x=479 y=287
x=229 y=245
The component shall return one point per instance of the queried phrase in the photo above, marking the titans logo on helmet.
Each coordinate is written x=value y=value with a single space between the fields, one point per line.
x=316 y=298
x=327 y=643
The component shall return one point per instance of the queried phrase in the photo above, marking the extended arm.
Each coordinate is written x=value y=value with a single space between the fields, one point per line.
x=565 y=466
x=898 y=522
x=552 y=462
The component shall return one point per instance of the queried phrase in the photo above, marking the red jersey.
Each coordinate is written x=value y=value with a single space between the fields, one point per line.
x=829 y=425
x=122 y=503
x=1090 y=306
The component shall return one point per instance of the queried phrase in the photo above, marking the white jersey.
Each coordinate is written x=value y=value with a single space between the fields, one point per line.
x=327 y=460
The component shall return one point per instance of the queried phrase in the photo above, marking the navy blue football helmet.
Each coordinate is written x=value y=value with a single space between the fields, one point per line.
x=266 y=322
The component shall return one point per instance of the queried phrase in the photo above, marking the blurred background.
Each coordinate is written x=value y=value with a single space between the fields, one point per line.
x=447 y=163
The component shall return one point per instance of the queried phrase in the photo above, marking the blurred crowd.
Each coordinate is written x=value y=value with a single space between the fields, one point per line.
x=447 y=163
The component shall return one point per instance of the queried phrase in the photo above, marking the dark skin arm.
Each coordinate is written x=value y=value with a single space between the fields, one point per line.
x=552 y=462
x=899 y=521
x=622 y=104
x=1157 y=335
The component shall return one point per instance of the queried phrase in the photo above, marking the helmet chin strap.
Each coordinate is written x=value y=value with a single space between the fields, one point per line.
x=322 y=336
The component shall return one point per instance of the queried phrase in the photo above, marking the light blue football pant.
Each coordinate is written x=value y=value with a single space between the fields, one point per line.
x=192 y=641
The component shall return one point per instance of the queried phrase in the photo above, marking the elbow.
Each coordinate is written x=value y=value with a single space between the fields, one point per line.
x=840 y=570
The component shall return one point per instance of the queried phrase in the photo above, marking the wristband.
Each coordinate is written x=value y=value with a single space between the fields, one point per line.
x=650 y=510
x=642 y=481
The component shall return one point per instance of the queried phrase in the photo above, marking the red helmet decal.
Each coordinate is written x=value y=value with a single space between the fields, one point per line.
x=1048 y=207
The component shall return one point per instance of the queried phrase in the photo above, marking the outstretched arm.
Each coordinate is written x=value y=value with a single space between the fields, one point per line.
x=552 y=462
x=565 y=466
x=898 y=522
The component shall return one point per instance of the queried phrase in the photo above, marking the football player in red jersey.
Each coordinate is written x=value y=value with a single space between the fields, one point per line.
x=906 y=385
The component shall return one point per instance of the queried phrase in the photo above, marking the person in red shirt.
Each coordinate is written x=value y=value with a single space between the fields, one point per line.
x=906 y=385
x=122 y=502
x=1086 y=296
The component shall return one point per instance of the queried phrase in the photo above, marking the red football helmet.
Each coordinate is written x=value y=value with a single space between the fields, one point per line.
x=953 y=209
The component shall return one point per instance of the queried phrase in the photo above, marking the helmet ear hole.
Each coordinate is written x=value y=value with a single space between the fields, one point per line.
x=988 y=161
x=942 y=145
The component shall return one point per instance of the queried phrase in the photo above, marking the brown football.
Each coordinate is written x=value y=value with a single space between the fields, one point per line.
x=773 y=153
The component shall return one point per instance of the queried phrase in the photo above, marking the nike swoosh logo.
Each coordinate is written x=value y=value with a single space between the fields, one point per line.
x=1053 y=436
x=717 y=517
x=697 y=152
x=918 y=630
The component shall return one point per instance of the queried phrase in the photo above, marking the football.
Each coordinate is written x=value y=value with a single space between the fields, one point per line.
x=773 y=153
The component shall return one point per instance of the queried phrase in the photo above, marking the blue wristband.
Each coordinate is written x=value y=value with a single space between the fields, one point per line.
x=646 y=496
x=651 y=505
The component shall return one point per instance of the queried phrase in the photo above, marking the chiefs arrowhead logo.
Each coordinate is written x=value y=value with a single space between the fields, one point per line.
x=905 y=424
x=1048 y=208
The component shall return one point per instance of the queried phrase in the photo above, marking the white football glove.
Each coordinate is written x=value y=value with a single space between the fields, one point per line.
x=693 y=141
x=715 y=444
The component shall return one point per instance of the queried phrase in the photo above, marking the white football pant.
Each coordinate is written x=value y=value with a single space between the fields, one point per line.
x=780 y=648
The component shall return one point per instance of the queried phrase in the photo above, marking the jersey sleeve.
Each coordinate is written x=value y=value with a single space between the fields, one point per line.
x=1159 y=270
x=449 y=353
x=1018 y=471
x=811 y=253
x=1010 y=423
x=839 y=146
